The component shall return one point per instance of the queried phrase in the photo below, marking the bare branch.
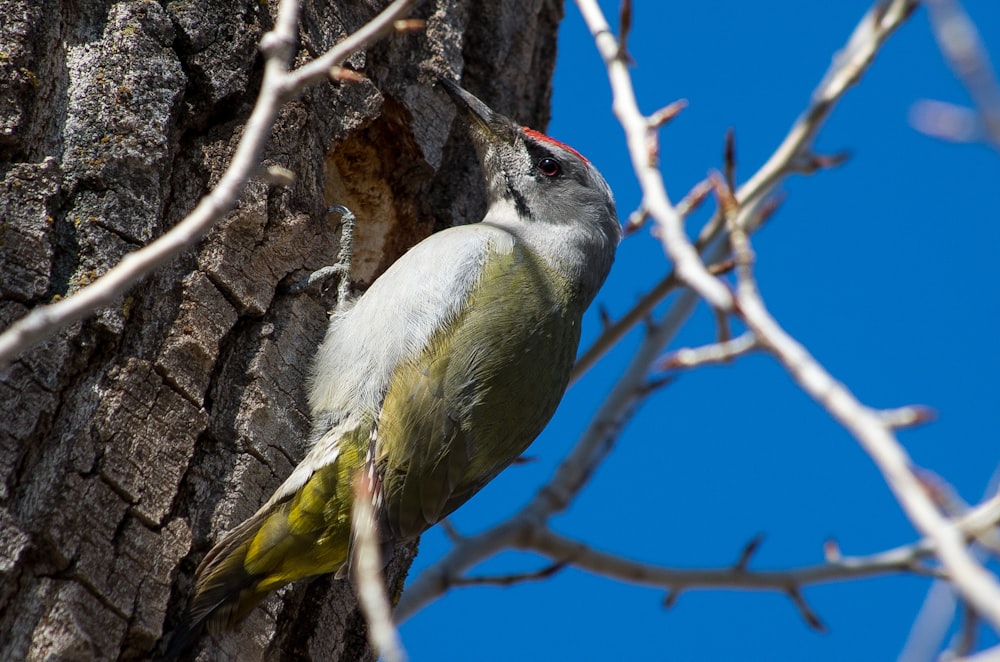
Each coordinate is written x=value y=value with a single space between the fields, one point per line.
x=961 y=45
x=944 y=120
x=509 y=580
x=667 y=113
x=748 y=552
x=639 y=135
x=846 y=70
x=449 y=530
x=881 y=21
x=907 y=417
x=366 y=570
x=937 y=613
x=692 y=201
x=409 y=25
x=559 y=548
x=724 y=331
x=723 y=267
x=616 y=331
x=809 y=162
x=278 y=87
x=875 y=434
x=729 y=159
x=808 y=615
x=635 y=221
x=906 y=558
x=625 y=28
x=988 y=655
x=529 y=531
x=319 y=69
x=981 y=523
x=872 y=430
x=721 y=352
x=564 y=551
x=965 y=639
x=932 y=623
x=979 y=587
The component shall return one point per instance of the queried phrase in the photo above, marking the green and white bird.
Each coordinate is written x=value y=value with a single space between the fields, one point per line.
x=440 y=375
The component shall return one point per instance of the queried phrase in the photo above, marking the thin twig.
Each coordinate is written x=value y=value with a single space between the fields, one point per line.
x=807 y=612
x=565 y=551
x=961 y=45
x=514 y=578
x=907 y=417
x=624 y=27
x=938 y=610
x=639 y=135
x=366 y=571
x=847 y=68
x=557 y=547
x=612 y=333
x=875 y=435
x=720 y=352
x=905 y=558
x=965 y=638
x=988 y=655
x=748 y=552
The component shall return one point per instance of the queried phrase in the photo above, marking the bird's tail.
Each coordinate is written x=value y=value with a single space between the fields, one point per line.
x=305 y=534
x=225 y=591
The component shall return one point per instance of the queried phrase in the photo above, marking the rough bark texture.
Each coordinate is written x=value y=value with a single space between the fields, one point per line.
x=134 y=440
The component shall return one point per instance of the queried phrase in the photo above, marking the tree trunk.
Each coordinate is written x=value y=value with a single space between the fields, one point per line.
x=133 y=441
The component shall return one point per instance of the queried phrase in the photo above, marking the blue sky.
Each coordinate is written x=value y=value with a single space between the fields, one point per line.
x=882 y=268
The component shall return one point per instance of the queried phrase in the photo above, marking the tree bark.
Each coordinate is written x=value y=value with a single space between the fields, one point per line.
x=133 y=441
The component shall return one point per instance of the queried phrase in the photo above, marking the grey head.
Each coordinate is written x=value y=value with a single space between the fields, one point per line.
x=535 y=180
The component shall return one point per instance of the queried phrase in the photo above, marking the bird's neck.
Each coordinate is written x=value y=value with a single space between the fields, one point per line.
x=574 y=250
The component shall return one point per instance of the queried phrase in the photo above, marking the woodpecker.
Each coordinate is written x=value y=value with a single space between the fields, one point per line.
x=439 y=376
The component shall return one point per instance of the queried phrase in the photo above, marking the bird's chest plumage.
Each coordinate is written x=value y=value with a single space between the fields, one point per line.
x=478 y=394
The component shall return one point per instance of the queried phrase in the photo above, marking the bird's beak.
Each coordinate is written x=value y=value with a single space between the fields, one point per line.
x=476 y=109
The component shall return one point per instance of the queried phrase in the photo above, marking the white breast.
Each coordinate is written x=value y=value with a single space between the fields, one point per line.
x=397 y=316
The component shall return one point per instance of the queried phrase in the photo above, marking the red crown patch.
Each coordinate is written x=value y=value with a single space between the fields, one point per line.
x=552 y=141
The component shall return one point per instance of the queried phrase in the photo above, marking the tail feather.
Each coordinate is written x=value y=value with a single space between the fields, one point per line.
x=224 y=586
x=225 y=591
x=305 y=534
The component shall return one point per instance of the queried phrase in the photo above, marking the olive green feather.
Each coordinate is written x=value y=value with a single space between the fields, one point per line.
x=464 y=409
x=306 y=533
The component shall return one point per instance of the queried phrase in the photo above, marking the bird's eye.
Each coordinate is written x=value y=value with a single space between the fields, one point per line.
x=549 y=167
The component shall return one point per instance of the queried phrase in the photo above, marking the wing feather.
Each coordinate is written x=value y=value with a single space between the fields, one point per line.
x=477 y=395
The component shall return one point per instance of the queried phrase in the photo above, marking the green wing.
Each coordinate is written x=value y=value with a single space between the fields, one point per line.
x=478 y=395
x=305 y=534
